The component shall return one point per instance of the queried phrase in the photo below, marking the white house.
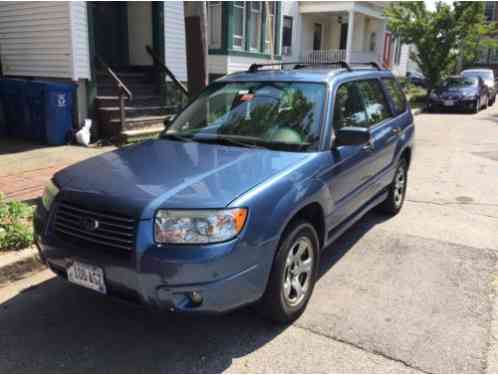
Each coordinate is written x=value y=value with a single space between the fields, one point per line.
x=330 y=31
x=78 y=41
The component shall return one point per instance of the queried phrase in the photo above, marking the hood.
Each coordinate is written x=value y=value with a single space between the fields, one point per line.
x=136 y=180
x=457 y=91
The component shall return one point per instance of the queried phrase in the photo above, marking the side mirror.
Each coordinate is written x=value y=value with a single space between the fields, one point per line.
x=351 y=136
x=168 y=121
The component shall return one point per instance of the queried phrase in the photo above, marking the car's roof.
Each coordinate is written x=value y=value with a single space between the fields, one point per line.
x=305 y=74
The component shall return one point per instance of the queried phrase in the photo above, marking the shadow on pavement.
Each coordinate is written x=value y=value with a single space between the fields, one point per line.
x=56 y=327
x=14 y=146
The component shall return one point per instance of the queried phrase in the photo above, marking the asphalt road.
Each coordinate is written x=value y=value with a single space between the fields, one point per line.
x=414 y=293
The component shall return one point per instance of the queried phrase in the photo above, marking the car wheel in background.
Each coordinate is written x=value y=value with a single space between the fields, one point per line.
x=397 y=190
x=476 y=106
x=293 y=273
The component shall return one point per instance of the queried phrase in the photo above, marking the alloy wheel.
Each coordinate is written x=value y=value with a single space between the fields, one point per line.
x=298 y=271
x=399 y=186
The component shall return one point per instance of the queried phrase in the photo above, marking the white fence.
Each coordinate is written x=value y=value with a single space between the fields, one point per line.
x=336 y=55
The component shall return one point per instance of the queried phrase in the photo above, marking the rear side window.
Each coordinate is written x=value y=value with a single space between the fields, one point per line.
x=348 y=107
x=396 y=94
x=374 y=101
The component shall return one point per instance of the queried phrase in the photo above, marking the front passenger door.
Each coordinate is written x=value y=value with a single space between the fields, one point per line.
x=350 y=164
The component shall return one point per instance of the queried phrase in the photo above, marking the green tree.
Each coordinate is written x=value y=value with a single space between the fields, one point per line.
x=440 y=36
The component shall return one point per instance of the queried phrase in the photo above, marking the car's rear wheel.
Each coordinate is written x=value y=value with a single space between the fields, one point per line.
x=397 y=190
x=293 y=274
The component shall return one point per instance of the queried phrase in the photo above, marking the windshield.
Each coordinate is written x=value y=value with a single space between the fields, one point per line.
x=456 y=83
x=485 y=75
x=283 y=115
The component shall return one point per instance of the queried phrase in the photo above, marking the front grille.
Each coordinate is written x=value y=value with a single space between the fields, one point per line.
x=105 y=229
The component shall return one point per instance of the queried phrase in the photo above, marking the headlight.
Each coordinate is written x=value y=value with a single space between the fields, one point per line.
x=198 y=226
x=49 y=195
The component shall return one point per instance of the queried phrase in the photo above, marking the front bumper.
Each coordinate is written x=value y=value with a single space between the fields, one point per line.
x=226 y=276
x=459 y=103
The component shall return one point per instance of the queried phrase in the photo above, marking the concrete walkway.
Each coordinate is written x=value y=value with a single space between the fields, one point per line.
x=26 y=167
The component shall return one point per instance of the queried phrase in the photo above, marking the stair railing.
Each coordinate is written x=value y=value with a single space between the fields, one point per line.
x=124 y=92
x=159 y=64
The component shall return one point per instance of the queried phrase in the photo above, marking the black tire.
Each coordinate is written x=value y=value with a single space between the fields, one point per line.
x=475 y=107
x=275 y=303
x=395 y=199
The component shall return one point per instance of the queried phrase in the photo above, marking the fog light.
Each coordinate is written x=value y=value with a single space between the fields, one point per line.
x=196 y=298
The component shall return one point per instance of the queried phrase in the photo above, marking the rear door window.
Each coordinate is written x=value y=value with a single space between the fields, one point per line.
x=374 y=101
x=396 y=94
x=348 y=107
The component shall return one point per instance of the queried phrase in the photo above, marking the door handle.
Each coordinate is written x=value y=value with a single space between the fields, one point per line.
x=396 y=130
x=369 y=146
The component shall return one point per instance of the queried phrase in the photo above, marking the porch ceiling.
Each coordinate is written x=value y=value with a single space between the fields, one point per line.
x=372 y=9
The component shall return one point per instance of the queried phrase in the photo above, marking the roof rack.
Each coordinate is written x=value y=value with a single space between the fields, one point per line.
x=300 y=65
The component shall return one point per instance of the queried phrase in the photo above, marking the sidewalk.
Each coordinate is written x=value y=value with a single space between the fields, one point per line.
x=25 y=167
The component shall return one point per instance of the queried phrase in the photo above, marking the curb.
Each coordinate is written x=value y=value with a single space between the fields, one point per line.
x=17 y=265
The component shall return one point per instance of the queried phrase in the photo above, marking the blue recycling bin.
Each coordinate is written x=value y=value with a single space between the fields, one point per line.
x=59 y=102
x=36 y=112
x=51 y=110
x=13 y=98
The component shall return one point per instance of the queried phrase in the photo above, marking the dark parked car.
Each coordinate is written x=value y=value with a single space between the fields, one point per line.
x=233 y=204
x=488 y=76
x=464 y=93
x=417 y=79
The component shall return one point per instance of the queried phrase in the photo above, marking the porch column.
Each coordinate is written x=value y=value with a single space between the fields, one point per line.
x=349 y=44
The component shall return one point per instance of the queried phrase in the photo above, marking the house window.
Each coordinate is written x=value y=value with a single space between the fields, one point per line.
x=373 y=42
x=255 y=25
x=287 y=36
x=270 y=26
x=397 y=52
x=214 y=24
x=490 y=10
x=239 y=29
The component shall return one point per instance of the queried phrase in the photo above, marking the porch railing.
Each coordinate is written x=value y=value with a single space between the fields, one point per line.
x=335 y=55
x=159 y=64
x=124 y=91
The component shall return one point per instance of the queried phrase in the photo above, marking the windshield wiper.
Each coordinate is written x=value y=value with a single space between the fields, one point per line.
x=176 y=137
x=225 y=140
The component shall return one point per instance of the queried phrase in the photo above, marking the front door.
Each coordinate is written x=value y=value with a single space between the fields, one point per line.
x=350 y=165
x=344 y=36
x=111 y=32
x=317 y=36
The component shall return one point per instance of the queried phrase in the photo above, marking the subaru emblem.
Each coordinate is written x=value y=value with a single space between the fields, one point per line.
x=90 y=224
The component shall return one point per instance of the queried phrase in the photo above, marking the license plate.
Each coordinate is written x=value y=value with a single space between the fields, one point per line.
x=449 y=102
x=88 y=276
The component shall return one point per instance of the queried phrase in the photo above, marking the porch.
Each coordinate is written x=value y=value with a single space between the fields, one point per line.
x=343 y=31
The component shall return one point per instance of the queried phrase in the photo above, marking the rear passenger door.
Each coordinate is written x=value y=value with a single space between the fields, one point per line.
x=384 y=129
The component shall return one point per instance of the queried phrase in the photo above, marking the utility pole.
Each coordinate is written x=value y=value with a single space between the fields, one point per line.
x=197 y=45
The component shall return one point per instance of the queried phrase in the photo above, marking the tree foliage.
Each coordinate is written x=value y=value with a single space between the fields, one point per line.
x=441 y=36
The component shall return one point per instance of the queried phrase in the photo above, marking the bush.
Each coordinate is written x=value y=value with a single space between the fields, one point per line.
x=15 y=225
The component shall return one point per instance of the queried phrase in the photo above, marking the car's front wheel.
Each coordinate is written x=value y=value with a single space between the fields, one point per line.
x=293 y=274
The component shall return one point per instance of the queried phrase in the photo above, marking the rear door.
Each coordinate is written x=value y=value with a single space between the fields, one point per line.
x=383 y=127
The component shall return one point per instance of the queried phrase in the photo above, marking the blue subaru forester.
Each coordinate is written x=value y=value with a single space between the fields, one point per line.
x=232 y=205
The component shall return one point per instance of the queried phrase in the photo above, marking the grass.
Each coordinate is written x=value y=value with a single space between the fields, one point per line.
x=416 y=95
x=16 y=230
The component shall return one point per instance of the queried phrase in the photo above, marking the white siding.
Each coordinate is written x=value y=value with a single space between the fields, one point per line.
x=44 y=39
x=174 y=39
x=79 y=40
